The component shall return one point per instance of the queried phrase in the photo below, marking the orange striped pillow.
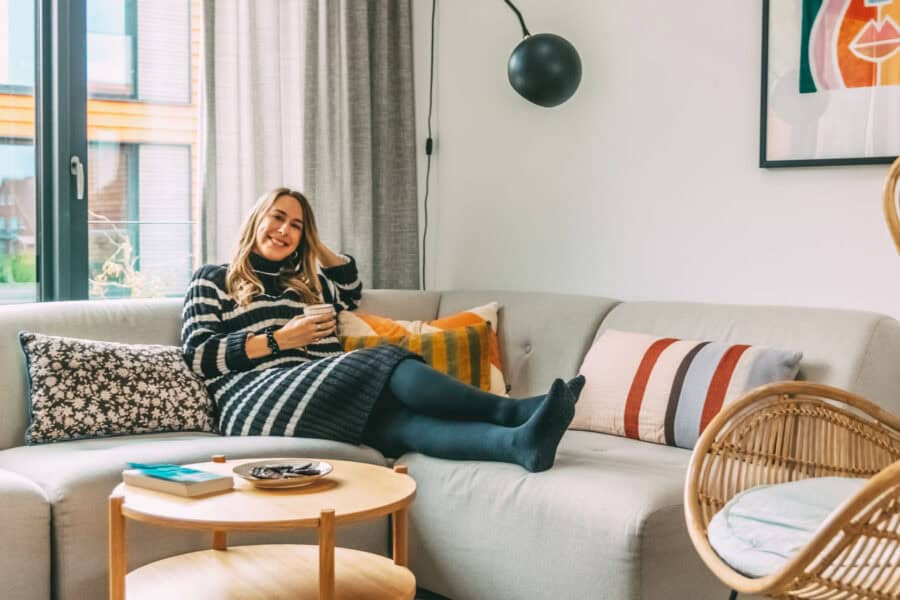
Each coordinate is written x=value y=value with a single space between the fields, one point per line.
x=667 y=390
x=461 y=352
x=360 y=323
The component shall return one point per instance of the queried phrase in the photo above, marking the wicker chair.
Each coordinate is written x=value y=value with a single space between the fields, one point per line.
x=789 y=431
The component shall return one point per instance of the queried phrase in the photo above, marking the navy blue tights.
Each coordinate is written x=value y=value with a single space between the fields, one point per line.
x=426 y=411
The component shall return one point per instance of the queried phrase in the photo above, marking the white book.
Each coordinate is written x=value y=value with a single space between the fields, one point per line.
x=180 y=482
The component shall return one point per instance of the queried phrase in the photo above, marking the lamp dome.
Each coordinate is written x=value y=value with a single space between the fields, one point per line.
x=545 y=69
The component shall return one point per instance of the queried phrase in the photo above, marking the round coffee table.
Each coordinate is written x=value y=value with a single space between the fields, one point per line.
x=352 y=492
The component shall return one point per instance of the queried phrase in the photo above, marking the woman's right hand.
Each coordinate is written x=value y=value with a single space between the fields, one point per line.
x=302 y=331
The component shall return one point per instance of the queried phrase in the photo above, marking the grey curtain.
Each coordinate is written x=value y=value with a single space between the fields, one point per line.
x=316 y=95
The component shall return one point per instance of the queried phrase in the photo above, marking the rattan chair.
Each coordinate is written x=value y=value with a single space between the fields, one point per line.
x=789 y=431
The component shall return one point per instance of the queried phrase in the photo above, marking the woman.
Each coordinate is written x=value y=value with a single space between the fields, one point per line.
x=272 y=370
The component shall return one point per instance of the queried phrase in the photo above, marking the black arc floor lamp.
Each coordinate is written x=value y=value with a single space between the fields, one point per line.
x=544 y=68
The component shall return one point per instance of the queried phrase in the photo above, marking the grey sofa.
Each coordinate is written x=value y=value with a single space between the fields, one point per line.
x=605 y=522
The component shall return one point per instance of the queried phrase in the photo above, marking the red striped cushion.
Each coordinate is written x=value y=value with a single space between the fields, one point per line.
x=667 y=390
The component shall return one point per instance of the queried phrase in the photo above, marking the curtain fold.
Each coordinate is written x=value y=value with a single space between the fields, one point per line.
x=316 y=95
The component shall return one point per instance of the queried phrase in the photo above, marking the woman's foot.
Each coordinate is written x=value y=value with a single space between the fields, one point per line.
x=575 y=385
x=535 y=442
x=517 y=412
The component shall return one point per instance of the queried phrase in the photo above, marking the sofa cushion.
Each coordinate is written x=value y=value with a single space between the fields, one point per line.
x=666 y=390
x=542 y=336
x=850 y=349
x=25 y=560
x=608 y=515
x=361 y=323
x=462 y=352
x=78 y=476
x=86 y=388
x=138 y=321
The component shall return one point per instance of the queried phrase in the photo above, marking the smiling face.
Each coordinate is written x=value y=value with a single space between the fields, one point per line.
x=280 y=230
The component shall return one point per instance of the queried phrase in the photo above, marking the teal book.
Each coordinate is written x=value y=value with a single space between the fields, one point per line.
x=176 y=479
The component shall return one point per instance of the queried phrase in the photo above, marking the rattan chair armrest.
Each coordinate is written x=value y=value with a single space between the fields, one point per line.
x=890 y=203
x=776 y=433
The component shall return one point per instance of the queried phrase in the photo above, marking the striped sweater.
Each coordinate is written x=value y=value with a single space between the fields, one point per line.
x=215 y=328
x=318 y=391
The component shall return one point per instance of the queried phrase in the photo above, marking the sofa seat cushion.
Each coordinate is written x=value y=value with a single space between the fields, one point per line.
x=608 y=515
x=762 y=528
x=78 y=476
x=25 y=562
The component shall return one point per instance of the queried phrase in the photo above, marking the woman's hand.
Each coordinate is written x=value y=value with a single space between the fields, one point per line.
x=327 y=258
x=302 y=331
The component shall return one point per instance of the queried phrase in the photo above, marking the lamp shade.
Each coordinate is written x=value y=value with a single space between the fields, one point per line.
x=545 y=69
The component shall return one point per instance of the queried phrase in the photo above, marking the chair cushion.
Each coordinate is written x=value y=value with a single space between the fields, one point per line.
x=762 y=528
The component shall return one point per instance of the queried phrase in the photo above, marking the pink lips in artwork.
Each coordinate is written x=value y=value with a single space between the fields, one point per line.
x=877 y=41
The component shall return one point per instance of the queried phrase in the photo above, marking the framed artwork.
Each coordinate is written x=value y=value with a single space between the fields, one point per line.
x=830 y=82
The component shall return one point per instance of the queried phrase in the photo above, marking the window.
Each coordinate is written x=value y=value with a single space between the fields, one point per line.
x=16 y=46
x=111 y=48
x=18 y=226
x=138 y=134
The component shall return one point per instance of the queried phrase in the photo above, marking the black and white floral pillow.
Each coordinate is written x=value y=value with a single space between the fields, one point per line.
x=86 y=388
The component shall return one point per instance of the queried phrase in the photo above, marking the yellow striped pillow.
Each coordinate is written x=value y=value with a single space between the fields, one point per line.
x=462 y=352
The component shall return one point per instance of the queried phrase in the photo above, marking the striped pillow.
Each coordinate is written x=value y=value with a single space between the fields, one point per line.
x=462 y=352
x=666 y=390
x=358 y=322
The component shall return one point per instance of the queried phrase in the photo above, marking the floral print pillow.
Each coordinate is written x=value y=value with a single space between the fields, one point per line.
x=86 y=388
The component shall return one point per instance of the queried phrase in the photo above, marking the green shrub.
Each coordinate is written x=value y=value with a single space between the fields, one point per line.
x=19 y=268
x=24 y=268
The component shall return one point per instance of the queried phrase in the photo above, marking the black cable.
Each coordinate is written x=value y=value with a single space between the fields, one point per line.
x=525 y=32
x=429 y=142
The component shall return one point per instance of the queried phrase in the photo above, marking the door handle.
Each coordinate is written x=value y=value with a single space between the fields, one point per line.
x=76 y=167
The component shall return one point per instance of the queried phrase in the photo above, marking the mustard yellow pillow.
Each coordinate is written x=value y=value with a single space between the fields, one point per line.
x=462 y=352
x=360 y=323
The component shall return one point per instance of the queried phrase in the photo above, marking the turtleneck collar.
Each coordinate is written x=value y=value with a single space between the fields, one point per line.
x=264 y=266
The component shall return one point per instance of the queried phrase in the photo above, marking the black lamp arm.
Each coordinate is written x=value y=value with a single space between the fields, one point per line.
x=525 y=32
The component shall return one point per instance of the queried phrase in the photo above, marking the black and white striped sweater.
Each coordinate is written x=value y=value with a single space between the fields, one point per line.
x=318 y=391
x=215 y=328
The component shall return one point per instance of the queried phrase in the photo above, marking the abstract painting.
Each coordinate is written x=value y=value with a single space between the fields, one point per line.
x=830 y=82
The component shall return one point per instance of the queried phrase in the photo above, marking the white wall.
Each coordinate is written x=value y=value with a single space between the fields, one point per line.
x=644 y=185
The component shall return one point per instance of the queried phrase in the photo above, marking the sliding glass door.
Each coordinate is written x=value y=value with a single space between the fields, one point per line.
x=99 y=188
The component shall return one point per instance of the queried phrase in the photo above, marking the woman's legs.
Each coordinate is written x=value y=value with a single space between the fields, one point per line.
x=426 y=391
x=394 y=429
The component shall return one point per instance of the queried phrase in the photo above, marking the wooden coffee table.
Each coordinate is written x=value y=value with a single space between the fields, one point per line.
x=353 y=492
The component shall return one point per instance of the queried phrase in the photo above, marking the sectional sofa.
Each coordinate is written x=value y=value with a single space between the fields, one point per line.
x=606 y=522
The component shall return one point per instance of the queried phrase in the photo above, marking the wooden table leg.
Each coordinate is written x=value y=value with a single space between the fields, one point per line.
x=400 y=531
x=220 y=540
x=117 y=557
x=326 y=554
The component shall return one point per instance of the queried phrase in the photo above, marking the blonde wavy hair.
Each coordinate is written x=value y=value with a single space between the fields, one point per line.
x=299 y=272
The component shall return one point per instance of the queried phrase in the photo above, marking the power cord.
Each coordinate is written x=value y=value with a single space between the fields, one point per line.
x=429 y=142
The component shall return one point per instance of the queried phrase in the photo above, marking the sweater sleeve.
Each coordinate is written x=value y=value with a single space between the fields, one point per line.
x=341 y=285
x=207 y=347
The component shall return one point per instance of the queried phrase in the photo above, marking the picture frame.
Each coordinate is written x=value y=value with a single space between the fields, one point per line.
x=823 y=103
